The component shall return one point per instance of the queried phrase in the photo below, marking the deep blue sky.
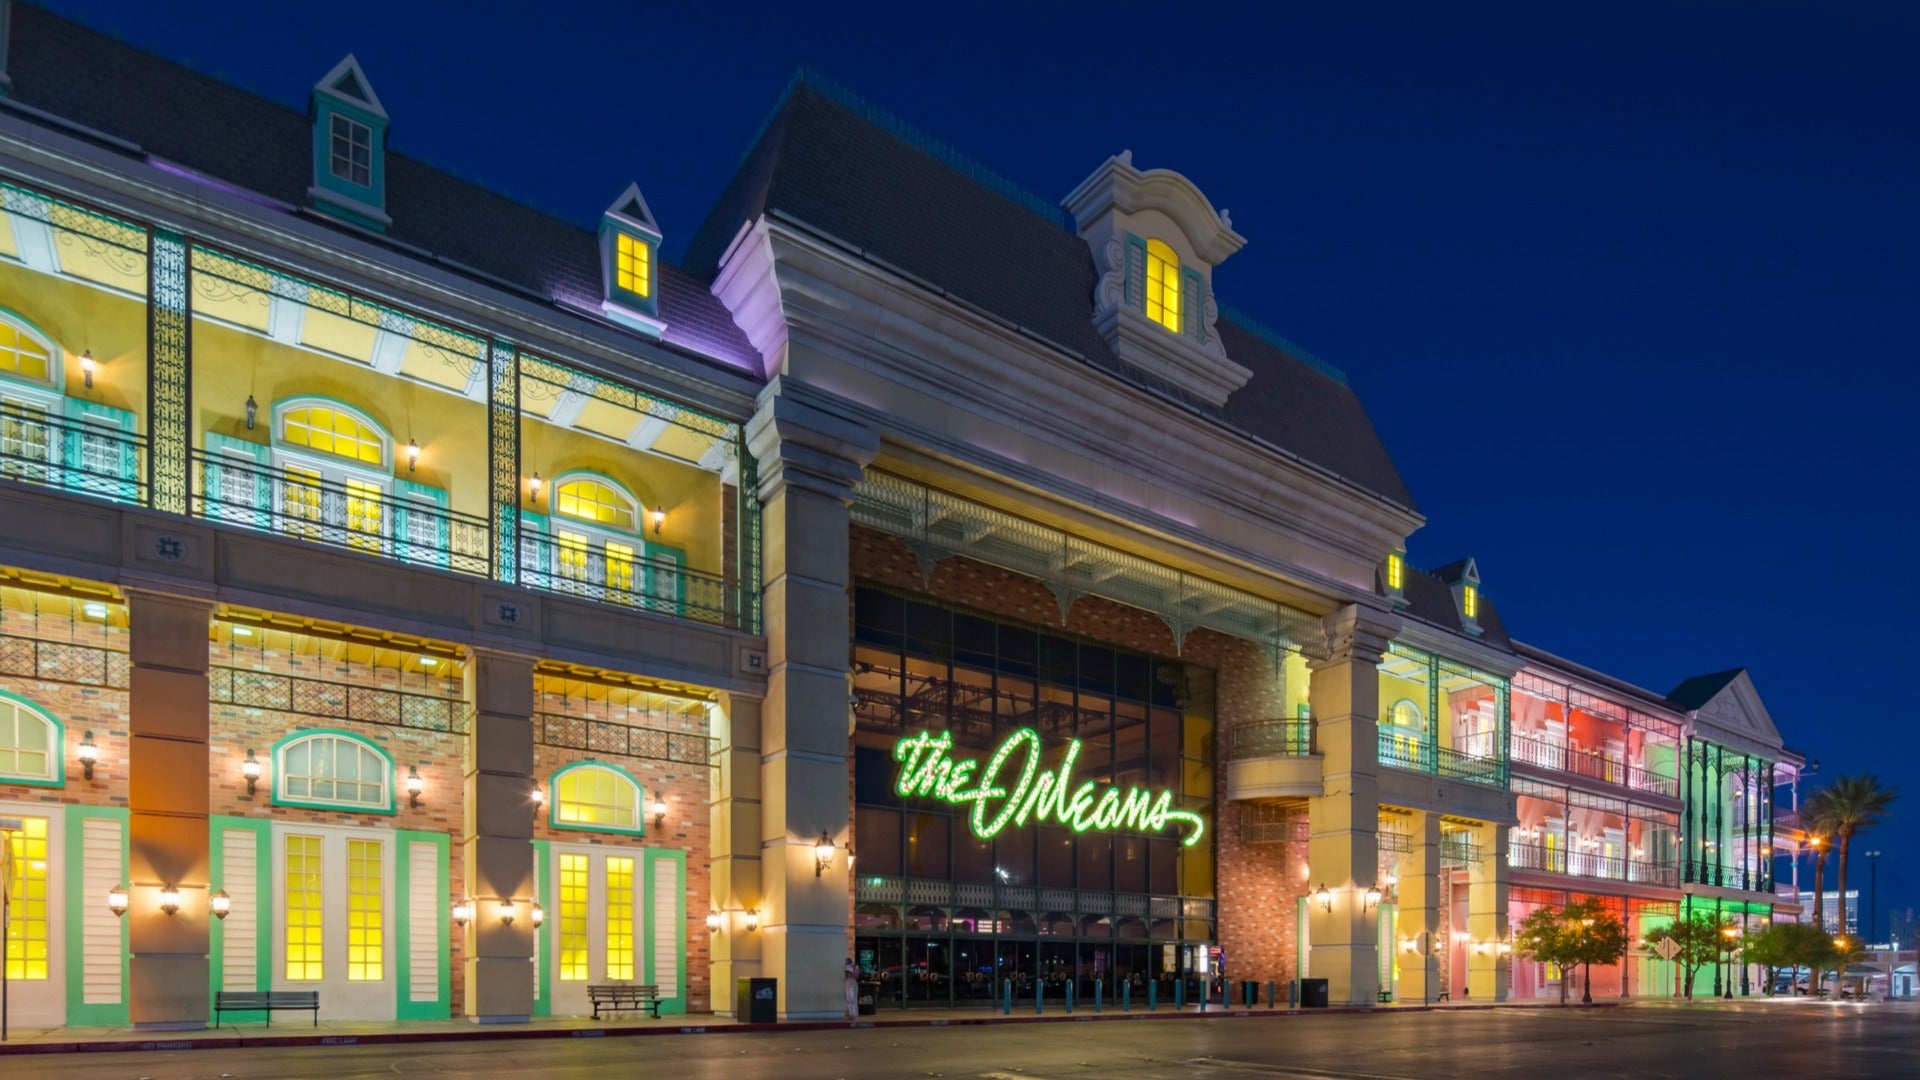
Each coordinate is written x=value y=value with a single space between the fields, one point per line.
x=1629 y=291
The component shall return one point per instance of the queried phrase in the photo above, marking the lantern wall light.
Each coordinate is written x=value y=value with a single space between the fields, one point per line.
x=539 y=915
x=1372 y=897
x=1324 y=897
x=415 y=786
x=250 y=769
x=117 y=899
x=253 y=408
x=169 y=899
x=659 y=813
x=220 y=903
x=506 y=912
x=86 y=368
x=462 y=912
x=533 y=486
x=713 y=921
x=413 y=455
x=822 y=854
x=88 y=753
x=753 y=919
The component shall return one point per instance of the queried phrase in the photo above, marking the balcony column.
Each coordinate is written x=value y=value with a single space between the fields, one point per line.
x=1419 y=916
x=1343 y=823
x=810 y=456
x=1487 y=968
x=497 y=850
x=167 y=799
x=735 y=817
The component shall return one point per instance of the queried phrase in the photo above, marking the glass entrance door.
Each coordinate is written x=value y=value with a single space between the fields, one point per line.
x=593 y=933
x=334 y=912
x=36 y=976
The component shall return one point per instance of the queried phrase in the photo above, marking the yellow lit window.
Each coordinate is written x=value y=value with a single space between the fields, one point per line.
x=591 y=500
x=595 y=795
x=1163 y=285
x=333 y=431
x=1396 y=573
x=21 y=355
x=619 y=918
x=632 y=265
x=24 y=438
x=300 y=501
x=27 y=902
x=366 y=929
x=1470 y=602
x=303 y=909
x=572 y=551
x=619 y=568
x=364 y=509
x=28 y=749
x=573 y=918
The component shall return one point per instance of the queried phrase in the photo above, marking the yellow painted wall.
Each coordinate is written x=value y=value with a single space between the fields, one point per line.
x=78 y=318
x=691 y=496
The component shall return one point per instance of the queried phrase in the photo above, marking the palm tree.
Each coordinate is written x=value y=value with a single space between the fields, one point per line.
x=1817 y=832
x=1851 y=805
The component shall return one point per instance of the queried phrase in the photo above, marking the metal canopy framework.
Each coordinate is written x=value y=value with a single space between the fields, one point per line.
x=936 y=525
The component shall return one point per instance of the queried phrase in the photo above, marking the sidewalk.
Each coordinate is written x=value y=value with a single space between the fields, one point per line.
x=256 y=1035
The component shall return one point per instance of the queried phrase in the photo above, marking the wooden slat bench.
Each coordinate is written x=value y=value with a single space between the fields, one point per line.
x=268 y=1002
x=624 y=997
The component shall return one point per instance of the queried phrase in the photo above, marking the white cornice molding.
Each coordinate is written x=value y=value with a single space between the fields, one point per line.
x=750 y=288
x=1117 y=186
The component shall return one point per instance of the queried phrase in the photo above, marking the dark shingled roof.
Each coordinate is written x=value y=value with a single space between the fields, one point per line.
x=247 y=141
x=1430 y=598
x=830 y=164
x=1697 y=691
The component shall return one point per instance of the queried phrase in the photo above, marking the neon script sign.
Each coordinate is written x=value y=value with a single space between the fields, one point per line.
x=1013 y=789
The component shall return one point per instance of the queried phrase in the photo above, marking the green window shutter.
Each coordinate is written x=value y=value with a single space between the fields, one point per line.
x=421 y=533
x=1136 y=272
x=666 y=586
x=99 y=456
x=1193 y=302
x=238 y=485
x=536 y=550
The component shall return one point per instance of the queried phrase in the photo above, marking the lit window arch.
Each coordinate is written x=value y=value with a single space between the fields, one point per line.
x=33 y=744
x=595 y=796
x=1163 y=285
x=325 y=426
x=596 y=499
x=1405 y=714
x=333 y=770
x=26 y=353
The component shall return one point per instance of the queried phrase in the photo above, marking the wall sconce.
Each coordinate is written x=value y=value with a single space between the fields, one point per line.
x=86 y=368
x=413 y=455
x=220 y=903
x=659 y=518
x=1408 y=945
x=1479 y=948
x=415 y=786
x=88 y=753
x=253 y=407
x=849 y=858
x=659 y=813
x=250 y=769
x=117 y=899
x=1324 y=897
x=753 y=919
x=534 y=486
x=539 y=914
x=1506 y=947
x=713 y=922
x=506 y=913
x=462 y=913
x=169 y=899
x=538 y=796
x=1372 y=898
x=822 y=854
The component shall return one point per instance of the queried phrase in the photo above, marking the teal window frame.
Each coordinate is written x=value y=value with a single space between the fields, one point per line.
x=278 y=779
x=639 y=806
x=56 y=744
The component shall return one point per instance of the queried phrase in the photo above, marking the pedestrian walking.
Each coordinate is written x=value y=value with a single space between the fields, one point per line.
x=853 y=991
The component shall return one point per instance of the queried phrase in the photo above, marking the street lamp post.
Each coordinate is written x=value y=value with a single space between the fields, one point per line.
x=1873 y=895
x=1733 y=937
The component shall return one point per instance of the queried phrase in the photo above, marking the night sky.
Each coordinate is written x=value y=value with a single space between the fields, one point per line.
x=1630 y=293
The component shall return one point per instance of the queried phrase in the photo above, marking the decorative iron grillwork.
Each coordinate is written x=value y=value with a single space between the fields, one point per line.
x=503 y=455
x=1270 y=738
x=1272 y=823
x=624 y=740
x=169 y=387
x=750 y=546
x=38 y=447
x=327 y=699
x=64 y=662
x=639 y=582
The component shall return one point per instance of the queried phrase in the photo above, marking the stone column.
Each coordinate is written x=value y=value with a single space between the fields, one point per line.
x=735 y=817
x=1419 y=916
x=1343 y=850
x=167 y=799
x=498 y=846
x=1487 y=915
x=810 y=457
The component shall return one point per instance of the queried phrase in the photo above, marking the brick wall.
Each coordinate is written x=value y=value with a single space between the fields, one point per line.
x=71 y=649
x=1257 y=899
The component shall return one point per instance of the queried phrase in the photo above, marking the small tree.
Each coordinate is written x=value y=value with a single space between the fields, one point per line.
x=1770 y=948
x=1596 y=936
x=1542 y=935
x=1700 y=939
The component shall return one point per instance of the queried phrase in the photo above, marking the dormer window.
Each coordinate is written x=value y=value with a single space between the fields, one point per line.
x=1470 y=603
x=352 y=151
x=633 y=266
x=1396 y=573
x=629 y=246
x=1163 y=285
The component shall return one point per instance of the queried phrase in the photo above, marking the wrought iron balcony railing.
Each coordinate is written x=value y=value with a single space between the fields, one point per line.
x=1591 y=764
x=1270 y=738
x=662 y=586
x=1401 y=752
x=1590 y=864
x=74 y=454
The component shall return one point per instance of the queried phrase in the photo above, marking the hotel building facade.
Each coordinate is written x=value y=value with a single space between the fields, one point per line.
x=421 y=599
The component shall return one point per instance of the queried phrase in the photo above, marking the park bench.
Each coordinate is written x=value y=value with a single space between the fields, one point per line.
x=267 y=1001
x=624 y=997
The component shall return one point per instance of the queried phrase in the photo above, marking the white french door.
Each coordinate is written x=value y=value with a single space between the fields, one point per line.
x=35 y=953
x=594 y=933
x=334 y=918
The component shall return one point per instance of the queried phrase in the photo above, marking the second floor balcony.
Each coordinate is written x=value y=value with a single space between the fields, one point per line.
x=1398 y=751
x=1590 y=764
x=1590 y=864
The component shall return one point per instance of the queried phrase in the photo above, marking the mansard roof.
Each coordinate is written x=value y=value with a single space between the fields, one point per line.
x=1430 y=598
x=832 y=165
x=176 y=114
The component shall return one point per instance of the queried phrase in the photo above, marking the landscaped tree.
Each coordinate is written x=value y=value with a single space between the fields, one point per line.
x=1791 y=946
x=1542 y=936
x=1854 y=804
x=1768 y=947
x=1700 y=939
x=1597 y=937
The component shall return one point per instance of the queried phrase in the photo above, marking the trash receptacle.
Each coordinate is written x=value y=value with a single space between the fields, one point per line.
x=1313 y=993
x=865 y=1001
x=756 y=1001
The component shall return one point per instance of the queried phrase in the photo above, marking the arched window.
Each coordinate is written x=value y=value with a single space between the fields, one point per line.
x=596 y=797
x=32 y=744
x=1406 y=714
x=1163 y=285
x=333 y=429
x=27 y=354
x=595 y=500
x=335 y=463
x=332 y=769
x=597 y=560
